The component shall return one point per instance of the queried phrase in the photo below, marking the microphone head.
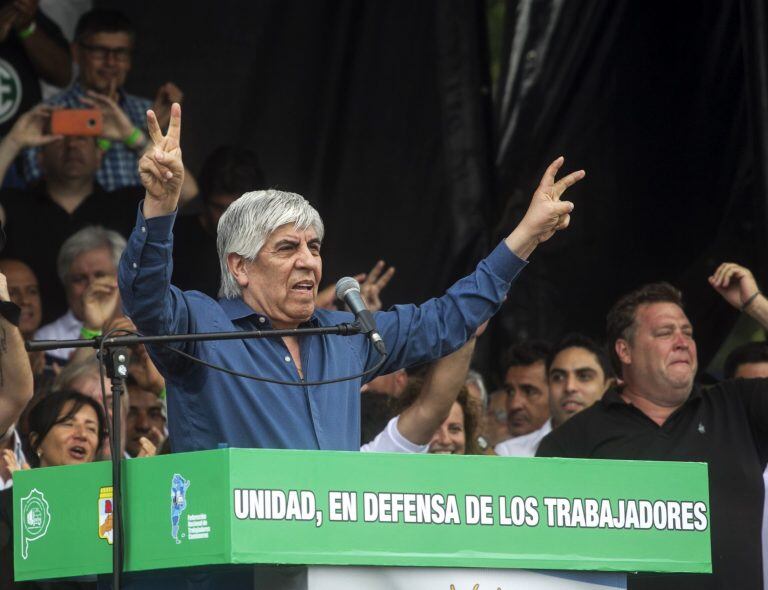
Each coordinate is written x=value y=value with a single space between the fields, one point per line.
x=344 y=285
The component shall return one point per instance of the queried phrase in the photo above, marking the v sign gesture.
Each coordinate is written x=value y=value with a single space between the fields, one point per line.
x=546 y=214
x=161 y=168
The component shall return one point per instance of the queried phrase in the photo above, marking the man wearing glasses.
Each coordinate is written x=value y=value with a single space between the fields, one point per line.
x=104 y=40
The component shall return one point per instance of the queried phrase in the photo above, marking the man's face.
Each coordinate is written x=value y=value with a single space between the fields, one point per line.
x=282 y=281
x=576 y=381
x=104 y=59
x=659 y=362
x=528 y=401
x=745 y=371
x=215 y=205
x=86 y=267
x=24 y=292
x=71 y=158
x=145 y=418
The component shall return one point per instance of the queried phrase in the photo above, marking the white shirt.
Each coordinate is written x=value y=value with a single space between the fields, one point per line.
x=67 y=327
x=21 y=460
x=525 y=445
x=390 y=440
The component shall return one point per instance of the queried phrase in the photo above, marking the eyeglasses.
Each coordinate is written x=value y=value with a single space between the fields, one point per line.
x=101 y=52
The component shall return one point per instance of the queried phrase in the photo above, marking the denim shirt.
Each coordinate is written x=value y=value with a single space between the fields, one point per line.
x=207 y=408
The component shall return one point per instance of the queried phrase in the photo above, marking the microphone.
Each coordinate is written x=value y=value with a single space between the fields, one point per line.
x=348 y=290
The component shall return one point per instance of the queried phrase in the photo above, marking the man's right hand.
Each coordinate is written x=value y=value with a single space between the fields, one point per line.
x=28 y=129
x=161 y=167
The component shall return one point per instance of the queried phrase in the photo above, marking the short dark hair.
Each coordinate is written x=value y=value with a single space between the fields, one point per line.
x=103 y=20
x=751 y=352
x=525 y=354
x=45 y=415
x=230 y=169
x=620 y=322
x=585 y=342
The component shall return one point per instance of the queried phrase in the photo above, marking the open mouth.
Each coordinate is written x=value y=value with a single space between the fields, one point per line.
x=304 y=287
x=572 y=406
x=78 y=453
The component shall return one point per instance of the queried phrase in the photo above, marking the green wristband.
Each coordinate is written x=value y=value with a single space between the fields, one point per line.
x=89 y=334
x=104 y=144
x=133 y=139
x=28 y=32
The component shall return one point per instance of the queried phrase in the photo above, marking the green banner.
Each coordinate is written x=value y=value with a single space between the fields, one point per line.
x=309 y=507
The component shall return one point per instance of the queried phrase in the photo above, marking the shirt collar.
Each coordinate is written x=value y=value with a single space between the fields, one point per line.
x=612 y=397
x=237 y=309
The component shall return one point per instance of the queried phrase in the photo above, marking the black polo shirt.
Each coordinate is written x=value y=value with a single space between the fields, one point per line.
x=725 y=426
x=37 y=227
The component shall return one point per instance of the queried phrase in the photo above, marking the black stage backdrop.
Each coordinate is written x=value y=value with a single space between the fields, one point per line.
x=376 y=111
x=664 y=105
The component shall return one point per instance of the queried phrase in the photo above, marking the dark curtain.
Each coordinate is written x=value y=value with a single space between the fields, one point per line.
x=664 y=105
x=376 y=111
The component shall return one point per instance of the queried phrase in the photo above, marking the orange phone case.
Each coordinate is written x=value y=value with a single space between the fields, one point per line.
x=76 y=122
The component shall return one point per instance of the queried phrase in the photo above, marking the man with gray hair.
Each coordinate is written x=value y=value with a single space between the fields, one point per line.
x=87 y=267
x=269 y=250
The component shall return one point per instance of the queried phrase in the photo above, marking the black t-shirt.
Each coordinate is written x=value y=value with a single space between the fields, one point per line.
x=19 y=82
x=37 y=227
x=725 y=426
x=195 y=259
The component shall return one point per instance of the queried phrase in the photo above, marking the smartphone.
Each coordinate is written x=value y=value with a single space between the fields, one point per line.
x=76 y=122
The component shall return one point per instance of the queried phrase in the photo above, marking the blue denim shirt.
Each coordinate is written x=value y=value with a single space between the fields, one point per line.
x=208 y=407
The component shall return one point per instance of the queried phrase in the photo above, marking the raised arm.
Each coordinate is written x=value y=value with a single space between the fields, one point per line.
x=737 y=286
x=15 y=371
x=26 y=132
x=444 y=379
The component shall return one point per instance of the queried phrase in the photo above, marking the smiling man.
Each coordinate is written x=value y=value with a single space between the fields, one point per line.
x=578 y=373
x=269 y=245
x=659 y=413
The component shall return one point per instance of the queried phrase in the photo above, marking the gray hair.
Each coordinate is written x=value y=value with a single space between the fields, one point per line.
x=74 y=371
x=89 y=238
x=477 y=379
x=251 y=219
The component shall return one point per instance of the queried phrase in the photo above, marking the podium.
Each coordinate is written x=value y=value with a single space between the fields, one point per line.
x=369 y=517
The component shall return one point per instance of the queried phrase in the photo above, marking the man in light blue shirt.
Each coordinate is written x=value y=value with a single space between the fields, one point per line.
x=269 y=248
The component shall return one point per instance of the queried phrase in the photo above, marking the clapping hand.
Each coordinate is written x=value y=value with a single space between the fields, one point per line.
x=166 y=95
x=161 y=168
x=100 y=302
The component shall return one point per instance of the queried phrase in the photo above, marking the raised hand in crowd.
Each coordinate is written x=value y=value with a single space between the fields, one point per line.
x=141 y=367
x=101 y=302
x=161 y=167
x=16 y=381
x=117 y=126
x=166 y=95
x=9 y=462
x=546 y=214
x=374 y=283
x=28 y=131
x=148 y=448
x=737 y=285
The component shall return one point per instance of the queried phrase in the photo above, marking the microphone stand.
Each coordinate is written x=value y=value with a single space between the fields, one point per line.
x=116 y=364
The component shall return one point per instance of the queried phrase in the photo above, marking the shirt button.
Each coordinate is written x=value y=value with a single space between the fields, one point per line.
x=134 y=265
x=287 y=359
x=262 y=320
x=143 y=229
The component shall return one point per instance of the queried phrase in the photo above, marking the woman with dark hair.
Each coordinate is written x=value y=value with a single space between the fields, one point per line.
x=65 y=428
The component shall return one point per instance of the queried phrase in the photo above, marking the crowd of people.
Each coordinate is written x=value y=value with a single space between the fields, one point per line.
x=93 y=244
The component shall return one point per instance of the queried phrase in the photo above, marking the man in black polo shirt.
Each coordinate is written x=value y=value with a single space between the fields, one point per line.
x=660 y=414
x=38 y=220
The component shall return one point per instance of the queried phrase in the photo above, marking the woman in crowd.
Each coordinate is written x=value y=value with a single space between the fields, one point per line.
x=65 y=428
